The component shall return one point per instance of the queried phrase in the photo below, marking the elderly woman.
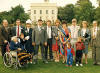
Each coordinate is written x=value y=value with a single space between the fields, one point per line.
x=17 y=48
x=14 y=46
x=28 y=36
x=85 y=34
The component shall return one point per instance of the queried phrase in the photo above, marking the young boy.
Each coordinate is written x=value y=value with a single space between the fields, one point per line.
x=69 y=53
x=79 y=47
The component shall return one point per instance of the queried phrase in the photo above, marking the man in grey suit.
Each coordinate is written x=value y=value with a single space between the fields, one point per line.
x=95 y=43
x=39 y=38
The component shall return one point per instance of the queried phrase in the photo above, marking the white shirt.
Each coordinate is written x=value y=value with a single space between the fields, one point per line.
x=28 y=30
x=84 y=31
x=17 y=30
x=49 y=32
x=39 y=27
x=74 y=31
x=95 y=31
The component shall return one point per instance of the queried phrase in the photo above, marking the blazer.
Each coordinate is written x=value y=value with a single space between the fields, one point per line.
x=5 y=34
x=97 y=40
x=39 y=36
x=14 y=30
x=88 y=37
x=26 y=33
x=14 y=46
x=55 y=34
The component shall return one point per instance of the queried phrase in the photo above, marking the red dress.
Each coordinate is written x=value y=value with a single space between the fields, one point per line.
x=55 y=47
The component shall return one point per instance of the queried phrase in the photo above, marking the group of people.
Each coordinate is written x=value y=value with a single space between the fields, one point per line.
x=55 y=41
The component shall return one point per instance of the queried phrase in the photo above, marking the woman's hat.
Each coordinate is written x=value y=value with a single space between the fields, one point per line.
x=28 y=21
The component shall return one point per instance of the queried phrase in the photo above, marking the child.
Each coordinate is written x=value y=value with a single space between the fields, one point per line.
x=79 y=47
x=69 y=53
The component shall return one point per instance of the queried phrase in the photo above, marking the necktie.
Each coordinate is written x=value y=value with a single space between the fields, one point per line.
x=18 y=31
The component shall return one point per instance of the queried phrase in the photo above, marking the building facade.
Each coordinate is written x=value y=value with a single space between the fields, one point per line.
x=44 y=11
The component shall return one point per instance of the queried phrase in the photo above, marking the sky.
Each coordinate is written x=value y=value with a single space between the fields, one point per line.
x=5 y=5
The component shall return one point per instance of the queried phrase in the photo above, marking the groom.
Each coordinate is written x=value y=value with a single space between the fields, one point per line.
x=39 y=38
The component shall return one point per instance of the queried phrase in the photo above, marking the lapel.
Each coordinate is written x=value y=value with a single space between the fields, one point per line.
x=5 y=31
x=85 y=32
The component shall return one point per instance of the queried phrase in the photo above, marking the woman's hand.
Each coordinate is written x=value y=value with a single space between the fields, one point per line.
x=56 y=38
x=45 y=43
x=33 y=44
x=19 y=49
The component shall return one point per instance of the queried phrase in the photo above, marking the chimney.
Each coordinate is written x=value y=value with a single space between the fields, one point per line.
x=46 y=1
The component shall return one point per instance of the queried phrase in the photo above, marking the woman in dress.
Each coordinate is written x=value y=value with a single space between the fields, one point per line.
x=65 y=36
x=55 y=40
x=86 y=35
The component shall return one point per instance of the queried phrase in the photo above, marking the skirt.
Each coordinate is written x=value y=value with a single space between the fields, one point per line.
x=55 y=47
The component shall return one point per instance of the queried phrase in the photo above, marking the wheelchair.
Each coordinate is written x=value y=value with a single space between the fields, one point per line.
x=20 y=60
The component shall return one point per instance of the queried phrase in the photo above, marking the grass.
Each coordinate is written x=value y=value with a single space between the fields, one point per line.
x=52 y=67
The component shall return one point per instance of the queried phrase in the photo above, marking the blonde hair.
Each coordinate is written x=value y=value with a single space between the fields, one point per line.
x=12 y=39
x=57 y=21
x=79 y=38
x=84 y=22
x=74 y=20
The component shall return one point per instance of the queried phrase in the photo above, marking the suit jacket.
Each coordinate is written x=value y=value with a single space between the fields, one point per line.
x=14 y=30
x=5 y=34
x=39 y=36
x=26 y=33
x=14 y=46
x=87 y=39
x=96 y=42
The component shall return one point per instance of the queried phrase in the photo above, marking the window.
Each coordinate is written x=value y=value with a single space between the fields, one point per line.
x=35 y=18
x=46 y=11
x=34 y=11
x=41 y=17
x=40 y=11
x=52 y=11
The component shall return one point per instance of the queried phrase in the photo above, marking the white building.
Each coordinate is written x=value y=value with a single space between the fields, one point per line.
x=44 y=11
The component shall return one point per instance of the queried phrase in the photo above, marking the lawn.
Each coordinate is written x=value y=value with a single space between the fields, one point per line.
x=52 y=67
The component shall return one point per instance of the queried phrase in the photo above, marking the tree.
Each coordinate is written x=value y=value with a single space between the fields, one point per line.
x=66 y=13
x=84 y=11
x=98 y=2
x=97 y=14
x=14 y=14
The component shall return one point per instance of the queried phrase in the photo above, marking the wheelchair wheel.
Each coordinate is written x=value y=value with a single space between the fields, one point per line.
x=8 y=59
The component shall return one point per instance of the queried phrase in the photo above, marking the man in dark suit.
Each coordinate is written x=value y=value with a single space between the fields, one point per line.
x=28 y=37
x=39 y=38
x=5 y=36
x=48 y=29
x=18 y=29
